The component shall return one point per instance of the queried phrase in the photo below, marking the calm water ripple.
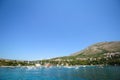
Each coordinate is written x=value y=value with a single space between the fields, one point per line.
x=60 y=73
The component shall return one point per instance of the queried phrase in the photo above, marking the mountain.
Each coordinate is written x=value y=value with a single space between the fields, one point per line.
x=105 y=53
x=100 y=49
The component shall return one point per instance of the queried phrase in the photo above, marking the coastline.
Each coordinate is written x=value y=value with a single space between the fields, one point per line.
x=61 y=66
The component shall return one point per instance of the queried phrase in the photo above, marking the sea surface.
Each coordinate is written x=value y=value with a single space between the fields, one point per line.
x=61 y=73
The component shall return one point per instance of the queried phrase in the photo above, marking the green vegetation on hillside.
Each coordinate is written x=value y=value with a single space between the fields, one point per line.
x=105 y=53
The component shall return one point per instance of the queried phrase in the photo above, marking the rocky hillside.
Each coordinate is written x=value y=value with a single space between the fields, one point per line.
x=105 y=53
x=100 y=49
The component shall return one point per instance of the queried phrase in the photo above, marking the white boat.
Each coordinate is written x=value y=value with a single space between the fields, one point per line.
x=37 y=65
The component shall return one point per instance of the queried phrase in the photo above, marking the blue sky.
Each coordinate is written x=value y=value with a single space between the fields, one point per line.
x=40 y=29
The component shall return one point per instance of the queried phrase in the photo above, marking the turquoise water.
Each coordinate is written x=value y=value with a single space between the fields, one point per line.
x=60 y=73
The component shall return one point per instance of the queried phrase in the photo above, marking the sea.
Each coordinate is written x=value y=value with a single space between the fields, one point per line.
x=61 y=73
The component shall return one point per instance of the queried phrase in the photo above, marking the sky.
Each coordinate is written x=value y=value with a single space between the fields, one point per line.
x=43 y=29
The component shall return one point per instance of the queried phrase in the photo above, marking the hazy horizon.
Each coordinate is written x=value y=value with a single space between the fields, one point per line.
x=42 y=29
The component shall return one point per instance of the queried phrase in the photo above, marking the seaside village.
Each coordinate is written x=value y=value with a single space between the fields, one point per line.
x=39 y=63
x=108 y=59
x=47 y=64
x=70 y=62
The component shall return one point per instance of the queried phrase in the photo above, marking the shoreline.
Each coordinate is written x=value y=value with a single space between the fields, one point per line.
x=60 y=66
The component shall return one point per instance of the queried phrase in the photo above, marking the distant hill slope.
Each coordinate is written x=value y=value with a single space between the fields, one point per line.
x=99 y=49
x=105 y=53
